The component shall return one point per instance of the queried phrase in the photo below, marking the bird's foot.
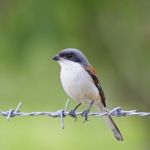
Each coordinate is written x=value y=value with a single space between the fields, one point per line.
x=72 y=113
x=85 y=114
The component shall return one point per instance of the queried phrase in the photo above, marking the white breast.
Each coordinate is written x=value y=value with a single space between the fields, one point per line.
x=77 y=83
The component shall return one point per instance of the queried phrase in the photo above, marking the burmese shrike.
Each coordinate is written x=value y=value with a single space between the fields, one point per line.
x=80 y=82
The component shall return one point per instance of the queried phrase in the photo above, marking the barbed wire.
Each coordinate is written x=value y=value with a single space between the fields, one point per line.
x=118 y=112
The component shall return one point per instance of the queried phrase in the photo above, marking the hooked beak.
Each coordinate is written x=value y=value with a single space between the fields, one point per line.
x=56 y=58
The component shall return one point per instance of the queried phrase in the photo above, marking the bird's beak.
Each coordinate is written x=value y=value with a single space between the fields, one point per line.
x=56 y=58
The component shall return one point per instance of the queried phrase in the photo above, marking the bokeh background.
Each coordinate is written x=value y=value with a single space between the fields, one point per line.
x=114 y=35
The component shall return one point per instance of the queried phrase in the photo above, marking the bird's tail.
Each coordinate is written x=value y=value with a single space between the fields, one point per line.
x=111 y=124
x=114 y=128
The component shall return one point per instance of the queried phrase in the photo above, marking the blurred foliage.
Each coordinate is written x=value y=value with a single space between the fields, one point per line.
x=115 y=36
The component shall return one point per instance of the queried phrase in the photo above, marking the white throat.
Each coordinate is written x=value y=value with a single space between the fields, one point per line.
x=67 y=64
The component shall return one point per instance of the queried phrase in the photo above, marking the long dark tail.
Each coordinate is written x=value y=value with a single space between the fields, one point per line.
x=110 y=122
x=114 y=128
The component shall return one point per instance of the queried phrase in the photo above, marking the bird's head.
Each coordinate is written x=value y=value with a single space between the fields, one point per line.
x=71 y=55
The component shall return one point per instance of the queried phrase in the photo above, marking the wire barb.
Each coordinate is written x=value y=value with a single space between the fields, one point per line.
x=118 y=112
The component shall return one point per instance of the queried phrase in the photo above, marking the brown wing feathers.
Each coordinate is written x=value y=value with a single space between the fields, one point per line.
x=92 y=72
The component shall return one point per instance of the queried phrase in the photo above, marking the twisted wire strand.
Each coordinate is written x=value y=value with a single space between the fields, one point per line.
x=118 y=112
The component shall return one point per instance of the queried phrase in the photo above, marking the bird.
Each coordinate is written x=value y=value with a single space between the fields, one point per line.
x=80 y=81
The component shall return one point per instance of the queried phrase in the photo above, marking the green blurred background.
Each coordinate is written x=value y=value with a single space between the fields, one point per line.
x=114 y=35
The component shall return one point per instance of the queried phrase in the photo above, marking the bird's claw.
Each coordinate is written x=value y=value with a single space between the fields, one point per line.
x=85 y=114
x=72 y=113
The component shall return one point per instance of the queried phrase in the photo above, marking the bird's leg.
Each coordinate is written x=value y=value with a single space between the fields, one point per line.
x=72 y=113
x=86 y=112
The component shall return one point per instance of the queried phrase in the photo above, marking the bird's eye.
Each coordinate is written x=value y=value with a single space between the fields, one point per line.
x=69 y=56
x=61 y=54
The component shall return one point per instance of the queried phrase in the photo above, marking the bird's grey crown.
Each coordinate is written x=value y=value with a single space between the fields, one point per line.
x=76 y=55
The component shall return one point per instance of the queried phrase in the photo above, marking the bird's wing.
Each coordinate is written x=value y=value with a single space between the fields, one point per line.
x=92 y=72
